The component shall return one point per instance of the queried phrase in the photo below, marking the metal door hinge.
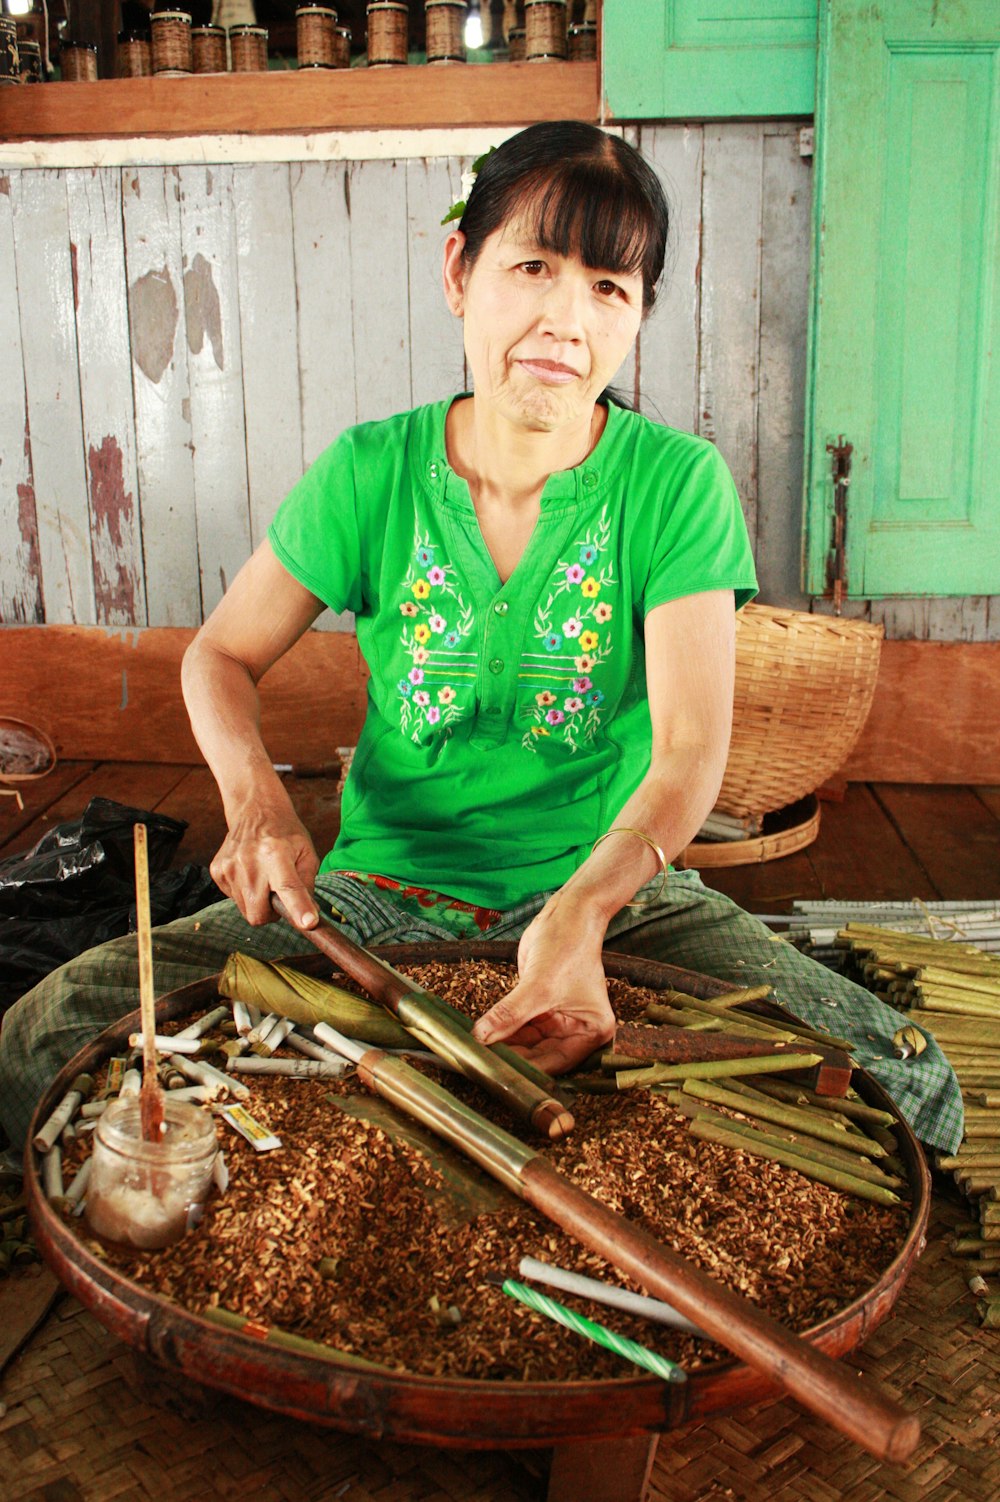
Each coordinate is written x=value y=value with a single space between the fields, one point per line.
x=836 y=564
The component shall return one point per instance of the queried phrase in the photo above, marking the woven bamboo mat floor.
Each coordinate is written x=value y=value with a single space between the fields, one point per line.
x=80 y=1426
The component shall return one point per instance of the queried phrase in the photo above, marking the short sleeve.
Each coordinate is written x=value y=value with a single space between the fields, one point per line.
x=701 y=541
x=315 y=534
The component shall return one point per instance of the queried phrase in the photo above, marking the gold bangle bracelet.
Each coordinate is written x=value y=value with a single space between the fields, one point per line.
x=656 y=849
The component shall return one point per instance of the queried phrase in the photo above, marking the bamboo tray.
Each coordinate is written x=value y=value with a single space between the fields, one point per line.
x=574 y=1416
x=786 y=831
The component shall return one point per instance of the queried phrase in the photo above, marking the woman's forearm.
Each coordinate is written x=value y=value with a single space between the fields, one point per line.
x=669 y=807
x=224 y=708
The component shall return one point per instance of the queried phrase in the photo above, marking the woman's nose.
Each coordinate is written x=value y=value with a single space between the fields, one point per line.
x=563 y=308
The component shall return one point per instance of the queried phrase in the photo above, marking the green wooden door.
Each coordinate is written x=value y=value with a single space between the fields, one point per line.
x=708 y=59
x=906 y=296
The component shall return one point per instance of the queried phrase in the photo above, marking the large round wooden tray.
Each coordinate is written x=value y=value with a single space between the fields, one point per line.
x=444 y=1411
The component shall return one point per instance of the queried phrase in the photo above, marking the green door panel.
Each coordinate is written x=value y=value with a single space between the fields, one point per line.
x=709 y=59
x=906 y=254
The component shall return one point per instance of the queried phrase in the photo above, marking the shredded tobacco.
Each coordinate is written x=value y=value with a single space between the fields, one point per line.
x=411 y=1236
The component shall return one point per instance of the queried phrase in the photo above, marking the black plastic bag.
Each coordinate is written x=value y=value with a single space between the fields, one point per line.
x=76 y=888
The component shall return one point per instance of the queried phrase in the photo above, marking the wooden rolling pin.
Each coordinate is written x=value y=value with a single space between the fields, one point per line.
x=430 y=1018
x=824 y=1386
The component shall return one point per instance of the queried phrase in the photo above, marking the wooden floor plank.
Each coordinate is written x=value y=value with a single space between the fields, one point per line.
x=990 y=797
x=769 y=886
x=37 y=797
x=196 y=798
x=951 y=833
x=139 y=784
x=860 y=855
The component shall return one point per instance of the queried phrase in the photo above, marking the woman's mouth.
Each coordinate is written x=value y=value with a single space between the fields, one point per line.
x=550 y=372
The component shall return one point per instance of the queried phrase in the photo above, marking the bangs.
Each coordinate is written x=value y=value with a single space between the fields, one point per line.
x=591 y=210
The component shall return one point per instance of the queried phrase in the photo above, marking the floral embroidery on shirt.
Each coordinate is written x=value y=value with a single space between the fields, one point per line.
x=568 y=628
x=437 y=623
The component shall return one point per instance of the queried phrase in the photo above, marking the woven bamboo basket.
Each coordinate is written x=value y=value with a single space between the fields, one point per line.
x=804 y=686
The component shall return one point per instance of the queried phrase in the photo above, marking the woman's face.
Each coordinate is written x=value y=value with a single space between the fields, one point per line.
x=544 y=334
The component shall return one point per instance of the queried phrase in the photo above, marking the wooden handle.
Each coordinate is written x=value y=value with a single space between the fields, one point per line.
x=824 y=1386
x=426 y=1015
x=151 y=1100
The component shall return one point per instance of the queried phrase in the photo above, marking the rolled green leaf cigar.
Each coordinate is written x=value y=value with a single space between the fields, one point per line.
x=766 y=1147
x=714 y=1069
x=274 y=1335
x=629 y=1350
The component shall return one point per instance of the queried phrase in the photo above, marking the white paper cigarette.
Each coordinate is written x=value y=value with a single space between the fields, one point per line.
x=242 y=1018
x=197 y=1093
x=93 y=1108
x=296 y=1069
x=308 y=1047
x=163 y=1044
x=131 y=1082
x=204 y=1024
x=204 y=1074
x=277 y=1035
x=348 y=1047
x=74 y=1193
x=604 y=1293
x=259 y=1033
x=44 y=1140
x=52 y=1179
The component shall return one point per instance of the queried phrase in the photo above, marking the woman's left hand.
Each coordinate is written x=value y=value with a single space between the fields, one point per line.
x=559 y=1012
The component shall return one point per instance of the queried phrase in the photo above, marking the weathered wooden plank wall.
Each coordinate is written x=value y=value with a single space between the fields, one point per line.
x=180 y=342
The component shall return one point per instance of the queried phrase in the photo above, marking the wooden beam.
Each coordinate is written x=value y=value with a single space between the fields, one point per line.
x=307 y=101
x=103 y=694
x=115 y=695
x=935 y=716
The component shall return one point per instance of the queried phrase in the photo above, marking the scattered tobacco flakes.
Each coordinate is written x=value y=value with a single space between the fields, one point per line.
x=343 y=1189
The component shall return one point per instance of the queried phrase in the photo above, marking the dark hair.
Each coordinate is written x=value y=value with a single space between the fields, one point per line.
x=582 y=192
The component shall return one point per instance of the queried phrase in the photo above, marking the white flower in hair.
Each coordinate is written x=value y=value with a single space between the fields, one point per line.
x=468 y=183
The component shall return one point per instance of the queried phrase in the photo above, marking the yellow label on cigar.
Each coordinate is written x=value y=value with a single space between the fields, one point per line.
x=258 y=1136
x=116 y=1073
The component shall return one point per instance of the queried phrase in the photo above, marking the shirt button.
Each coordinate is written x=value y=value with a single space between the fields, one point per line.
x=496 y=665
x=590 y=479
x=432 y=470
x=501 y=607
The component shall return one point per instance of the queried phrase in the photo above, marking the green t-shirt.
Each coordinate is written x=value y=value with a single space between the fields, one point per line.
x=506 y=723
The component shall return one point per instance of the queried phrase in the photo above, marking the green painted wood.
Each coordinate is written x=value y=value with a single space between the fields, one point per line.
x=905 y=315
x=709 y=59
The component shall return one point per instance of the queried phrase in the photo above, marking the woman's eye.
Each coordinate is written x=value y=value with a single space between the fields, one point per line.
x=608 y=288
x=533 y=268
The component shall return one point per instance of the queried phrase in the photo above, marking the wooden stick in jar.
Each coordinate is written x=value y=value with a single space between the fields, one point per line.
x=426 y=1015
x=824 y=1386
x=151 y=1094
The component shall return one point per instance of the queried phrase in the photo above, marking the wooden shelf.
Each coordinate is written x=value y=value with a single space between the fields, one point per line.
x=303 y=103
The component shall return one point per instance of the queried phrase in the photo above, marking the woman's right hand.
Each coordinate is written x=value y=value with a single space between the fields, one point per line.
x=268 y=850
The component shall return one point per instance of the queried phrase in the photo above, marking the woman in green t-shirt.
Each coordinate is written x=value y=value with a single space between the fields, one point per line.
x=544 y=586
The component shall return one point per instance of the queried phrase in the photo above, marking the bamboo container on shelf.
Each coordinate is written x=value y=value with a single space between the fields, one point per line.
x=315 y=27
x=341 y=46
x=445 y=22
x=516 y=44
x=171 y=42
x=135 y=55
x=545 y=28
x=388 y=33
x=248 y=48
x=582 y=42
x=78 y=62
x=208 y=49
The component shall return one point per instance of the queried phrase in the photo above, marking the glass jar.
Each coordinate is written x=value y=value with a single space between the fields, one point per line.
x=147 y=1194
